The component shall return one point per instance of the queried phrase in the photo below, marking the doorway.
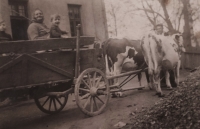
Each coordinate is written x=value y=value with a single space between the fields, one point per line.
x=19 y=29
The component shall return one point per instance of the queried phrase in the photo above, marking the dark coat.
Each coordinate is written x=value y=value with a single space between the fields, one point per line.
x=56 y=32
x=4 y=36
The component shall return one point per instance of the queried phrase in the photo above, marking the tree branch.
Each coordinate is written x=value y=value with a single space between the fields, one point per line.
x=179 y=20
x=145 y=11
x=167 y=20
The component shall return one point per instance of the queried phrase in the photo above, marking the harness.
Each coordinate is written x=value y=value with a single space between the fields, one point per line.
x=179 y=49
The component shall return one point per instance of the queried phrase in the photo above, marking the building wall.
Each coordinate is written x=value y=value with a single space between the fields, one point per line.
x=99 y=15
x=92 y=14
x=5 y=14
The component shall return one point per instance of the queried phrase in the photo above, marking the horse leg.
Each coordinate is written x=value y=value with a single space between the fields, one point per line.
x=108 y=72
x=160 y=93
x=139 y=78
x=157 y=83
x=167 y=80
x=148 y=79
x=177 y=68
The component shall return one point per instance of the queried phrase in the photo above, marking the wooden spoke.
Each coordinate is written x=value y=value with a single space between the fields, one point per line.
x=94 y=78
x=58 y=101
x=97 y=84
x=84 y=89
x=50 y=104
x=84 y=96
x=87 y=99
x=45 y=101
x=86 y=84
x=89 y=80
x=54 y=102
x=95 y=103
x=91 y=104
x=100 y=99
x=86 y=102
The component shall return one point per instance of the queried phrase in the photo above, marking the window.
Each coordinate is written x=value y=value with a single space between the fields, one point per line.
x=18 y=18
x=18 y=9
x=74 y=17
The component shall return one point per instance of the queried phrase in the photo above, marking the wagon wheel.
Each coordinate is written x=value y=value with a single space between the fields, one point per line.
x=51 y=104
x=92 y=91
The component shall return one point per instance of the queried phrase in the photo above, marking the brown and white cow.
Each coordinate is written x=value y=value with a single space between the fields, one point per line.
x=123 y=53
x=162 y=52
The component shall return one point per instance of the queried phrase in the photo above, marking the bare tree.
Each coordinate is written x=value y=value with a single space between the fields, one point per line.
x=181 y=10
x=112 y=14
x=184 y=15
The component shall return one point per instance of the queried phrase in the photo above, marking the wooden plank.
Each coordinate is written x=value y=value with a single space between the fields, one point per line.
x=77 y=63
x=32 y=85
x=191 y=60
x=195 y=50
x=126 y=74
x=37 y=45
x=40 y=74
x=40 y=68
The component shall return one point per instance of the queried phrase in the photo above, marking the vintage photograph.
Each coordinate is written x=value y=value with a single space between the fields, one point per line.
x=99 y=64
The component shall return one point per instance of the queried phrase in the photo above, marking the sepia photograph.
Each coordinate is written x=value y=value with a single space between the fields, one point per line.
x=99 y=64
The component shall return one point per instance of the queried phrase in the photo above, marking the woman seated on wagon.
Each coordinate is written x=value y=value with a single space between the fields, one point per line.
x=37 y=29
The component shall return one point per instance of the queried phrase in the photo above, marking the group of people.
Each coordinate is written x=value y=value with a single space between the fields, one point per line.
x=37 y=29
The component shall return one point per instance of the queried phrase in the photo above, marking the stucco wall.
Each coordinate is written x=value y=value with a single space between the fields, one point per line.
x=100 y=19
x=92 y=14
x=5 y=14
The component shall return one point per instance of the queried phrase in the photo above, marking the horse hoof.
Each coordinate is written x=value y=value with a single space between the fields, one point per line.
x=140 y=88
x=169 y=88
x=161 y=95
x=114 y=96
x=150 y=88
x=117 y=94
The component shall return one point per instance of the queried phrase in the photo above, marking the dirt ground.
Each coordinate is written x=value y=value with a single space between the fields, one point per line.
x=25 y=115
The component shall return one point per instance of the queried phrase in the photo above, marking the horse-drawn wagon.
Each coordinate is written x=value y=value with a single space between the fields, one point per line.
x=52 y=69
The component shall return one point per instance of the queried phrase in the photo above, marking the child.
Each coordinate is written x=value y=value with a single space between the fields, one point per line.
x=55 y=31
x=3 y=35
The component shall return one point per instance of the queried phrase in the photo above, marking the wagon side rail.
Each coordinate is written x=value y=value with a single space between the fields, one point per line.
x=25 y=67
x=28 y=46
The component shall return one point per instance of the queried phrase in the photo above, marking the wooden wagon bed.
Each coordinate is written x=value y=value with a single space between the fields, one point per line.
x=26 y=64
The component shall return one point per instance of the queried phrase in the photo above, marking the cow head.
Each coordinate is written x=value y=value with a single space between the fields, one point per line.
x=178 y=38
x=131 y=53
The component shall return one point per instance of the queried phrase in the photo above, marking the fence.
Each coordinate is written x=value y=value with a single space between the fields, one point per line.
x=191 y=58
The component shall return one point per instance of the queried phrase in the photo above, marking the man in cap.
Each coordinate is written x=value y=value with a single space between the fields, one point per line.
x=159 y=29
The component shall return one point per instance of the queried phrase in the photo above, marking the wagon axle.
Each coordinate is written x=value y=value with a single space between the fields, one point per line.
x=60 y=94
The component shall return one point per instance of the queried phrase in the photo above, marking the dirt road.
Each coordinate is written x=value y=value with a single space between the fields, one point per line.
x=25 y=115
